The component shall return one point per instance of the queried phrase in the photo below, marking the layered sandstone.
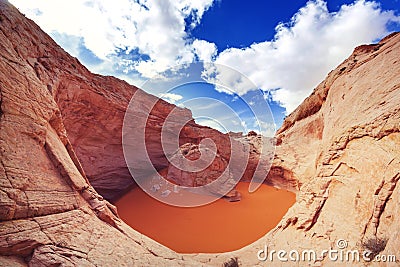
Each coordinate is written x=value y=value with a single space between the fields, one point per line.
x=61 y=145
x=50 y=215
x=92 y=108
x=341 y=149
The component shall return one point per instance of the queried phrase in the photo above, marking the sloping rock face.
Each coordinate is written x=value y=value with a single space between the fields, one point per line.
x=91 y=111
x=192 y=153
x=92 y=108
x=50 y=215
x=61 y=153
x=190 y=157
x=60 y=134
x=341 y=148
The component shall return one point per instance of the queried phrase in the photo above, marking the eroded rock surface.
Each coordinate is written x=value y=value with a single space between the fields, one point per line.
x=61 y=153
x=92 y=108
x=341 y=149
x=50 y=215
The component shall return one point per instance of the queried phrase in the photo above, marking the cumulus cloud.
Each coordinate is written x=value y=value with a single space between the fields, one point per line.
x=148 y=37
x=171 y=97
x=226 y=79
x=212 y=123
x=304 y=50
x=204 y=50
x=265 y=128
x=154 y=28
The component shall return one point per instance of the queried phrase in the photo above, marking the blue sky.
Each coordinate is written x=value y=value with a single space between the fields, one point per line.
x=257 y=19
x=275 y=52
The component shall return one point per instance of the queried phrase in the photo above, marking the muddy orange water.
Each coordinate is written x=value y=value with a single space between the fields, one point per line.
x=217 y=227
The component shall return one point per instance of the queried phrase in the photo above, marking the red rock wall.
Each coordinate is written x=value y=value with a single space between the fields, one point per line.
x=340 y=147
x=50 y=215
x=92 y=108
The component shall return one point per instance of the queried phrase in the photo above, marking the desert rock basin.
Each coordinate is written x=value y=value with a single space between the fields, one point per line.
x=217 y=227
x=62 y=167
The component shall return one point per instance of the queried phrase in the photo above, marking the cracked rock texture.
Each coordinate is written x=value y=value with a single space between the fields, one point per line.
x=50 y=215
x=60 y=146
x=341 y=149
x=61 y=153
x=91 y=107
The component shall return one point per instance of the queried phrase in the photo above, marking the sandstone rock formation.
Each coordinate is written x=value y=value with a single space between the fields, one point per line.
x=92 y=108
x=341 y=150
x=61 y=153
x=180 y=170
x=192 y=153
x=50 y=215
x=60 y=146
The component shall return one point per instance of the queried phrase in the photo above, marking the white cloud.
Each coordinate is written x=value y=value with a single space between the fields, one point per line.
x=171 y=97
x=70 y=43
x=304 y=50
x=154 y=28
x=265 y=128
x=235 y=122
x=295 y=61
x=216 y=114
x=227 y=79
x=205 y=51
x=212 y=123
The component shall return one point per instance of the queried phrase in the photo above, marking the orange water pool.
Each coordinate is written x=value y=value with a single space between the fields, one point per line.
x=217 y=227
